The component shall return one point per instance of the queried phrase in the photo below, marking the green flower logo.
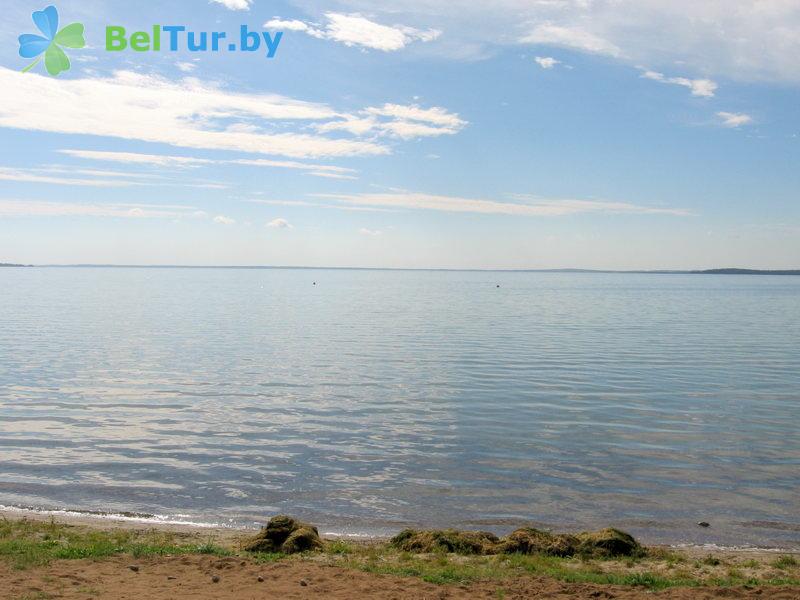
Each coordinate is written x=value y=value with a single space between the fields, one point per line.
x=50 y=42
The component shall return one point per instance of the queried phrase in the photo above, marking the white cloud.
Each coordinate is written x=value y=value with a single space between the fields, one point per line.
x=98 y=178
x=572 y=37
x=311 y=168
x=303 y=203
x=357 y=30
x=525 y=205
x=744 y=40
x=546 y=62
x=370 y=232
x=234 y=4
x=435 y=116
x=187 y=113
x=163 y=160
x=399 y=121
x=280 y=224
x=331 y=175
x=37 y=208
x=223 y=220
x=186 y=67
x=704 y=88
x=286 y=24
x=34 y=176
x=730 y=119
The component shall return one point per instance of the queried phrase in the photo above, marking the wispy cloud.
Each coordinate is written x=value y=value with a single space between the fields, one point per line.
x=39 y=208
x=34 y=176
x=223 y=220
x=331 y=175
x=187 y=113
x=370 y=232
x=524 y=205
x=573 y=37
x=306 y=204
x=96 y=178
x=398 y=121
x=164 y=160
x=356 y=30
x=704 y=88
x=730 y=119
x=161 y=160
x=310 y=168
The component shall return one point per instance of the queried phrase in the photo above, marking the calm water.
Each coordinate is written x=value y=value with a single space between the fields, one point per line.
x=379 y=399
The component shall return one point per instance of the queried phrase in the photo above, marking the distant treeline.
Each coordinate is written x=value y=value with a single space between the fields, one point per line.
x=12 y=265
x=748 y=272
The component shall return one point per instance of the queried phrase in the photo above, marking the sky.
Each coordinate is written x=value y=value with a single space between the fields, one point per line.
x=502 y=134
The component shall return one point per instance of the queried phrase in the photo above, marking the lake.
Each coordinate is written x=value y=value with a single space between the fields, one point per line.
x=376 y=400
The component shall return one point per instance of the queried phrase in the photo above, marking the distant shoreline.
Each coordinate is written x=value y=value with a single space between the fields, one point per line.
x=716 y=271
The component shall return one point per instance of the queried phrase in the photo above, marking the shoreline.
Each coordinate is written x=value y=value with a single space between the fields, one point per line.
x=77 y=557
x=228 y=534
x=120 y=521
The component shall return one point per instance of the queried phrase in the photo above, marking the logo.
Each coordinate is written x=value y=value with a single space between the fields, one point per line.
x=177 y=37
x=50 y=42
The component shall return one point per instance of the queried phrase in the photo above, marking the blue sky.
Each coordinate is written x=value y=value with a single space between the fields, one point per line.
x=500 y=134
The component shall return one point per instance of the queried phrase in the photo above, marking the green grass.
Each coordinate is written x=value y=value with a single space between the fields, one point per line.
x=785 y=562
x=339 y=547
x=34 y=543
x=591 y=572
x=448 y=569
x=661 y=570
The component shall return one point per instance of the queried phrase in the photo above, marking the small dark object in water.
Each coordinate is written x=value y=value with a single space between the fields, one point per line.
x=704 y=524
x=215 y=579
x=134 y=568
x=315 y=283
x=303 y=582
x=498 y=285
x=260 y=579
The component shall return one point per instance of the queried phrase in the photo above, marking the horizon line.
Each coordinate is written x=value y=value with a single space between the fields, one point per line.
x=709 y=271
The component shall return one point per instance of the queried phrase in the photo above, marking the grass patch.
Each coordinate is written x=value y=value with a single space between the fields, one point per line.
x=592 y=572
x=339 y=547
x=450 y=569
x=266 y=557
x=33 y=543
x=785 y=562
x=656 y=571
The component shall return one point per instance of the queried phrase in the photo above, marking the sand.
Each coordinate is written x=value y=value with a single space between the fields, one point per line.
x=173 y=578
